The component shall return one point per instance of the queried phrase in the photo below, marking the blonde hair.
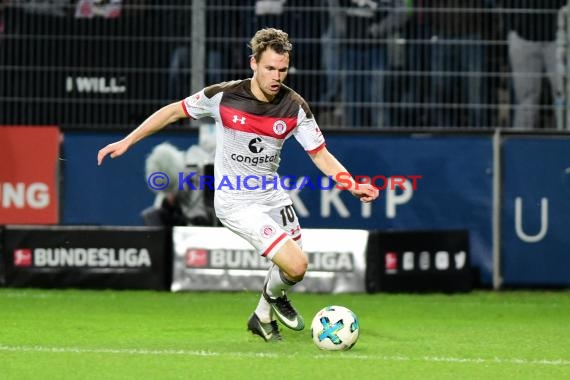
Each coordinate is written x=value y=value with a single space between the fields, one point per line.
x=270 y=38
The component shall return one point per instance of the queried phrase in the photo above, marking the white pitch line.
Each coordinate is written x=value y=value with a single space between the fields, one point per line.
x=459 y=303
x=340 y=355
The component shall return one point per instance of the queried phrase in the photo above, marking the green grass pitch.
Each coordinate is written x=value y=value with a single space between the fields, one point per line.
x=80 y=334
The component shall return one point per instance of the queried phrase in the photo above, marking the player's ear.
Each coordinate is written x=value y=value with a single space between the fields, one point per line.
x=253 y=64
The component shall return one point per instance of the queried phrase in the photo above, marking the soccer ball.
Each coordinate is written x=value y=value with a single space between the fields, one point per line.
x=335 y=328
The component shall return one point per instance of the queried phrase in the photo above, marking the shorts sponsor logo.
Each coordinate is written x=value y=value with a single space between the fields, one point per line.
x=295 y=231
x=267 y=231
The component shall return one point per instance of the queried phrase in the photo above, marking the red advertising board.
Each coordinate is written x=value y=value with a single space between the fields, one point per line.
x=29 y=174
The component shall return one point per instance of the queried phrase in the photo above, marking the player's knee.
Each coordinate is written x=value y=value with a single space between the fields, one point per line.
x=298 y=270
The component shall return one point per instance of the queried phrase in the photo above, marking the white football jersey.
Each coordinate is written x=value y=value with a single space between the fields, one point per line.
x=249 y=137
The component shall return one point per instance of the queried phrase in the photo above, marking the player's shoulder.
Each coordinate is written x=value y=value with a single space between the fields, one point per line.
x=294 y=97
x=215 y=89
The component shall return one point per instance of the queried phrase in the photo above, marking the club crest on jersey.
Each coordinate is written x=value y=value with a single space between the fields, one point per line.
x=267 y=231
x=236 y=119
x=279 y=127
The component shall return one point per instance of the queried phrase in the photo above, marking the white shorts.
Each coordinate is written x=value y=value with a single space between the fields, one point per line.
x=266 y=229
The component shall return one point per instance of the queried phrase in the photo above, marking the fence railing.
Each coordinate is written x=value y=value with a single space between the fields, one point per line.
x=377 y=64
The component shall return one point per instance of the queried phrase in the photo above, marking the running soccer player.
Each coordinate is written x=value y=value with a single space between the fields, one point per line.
x=253 y=119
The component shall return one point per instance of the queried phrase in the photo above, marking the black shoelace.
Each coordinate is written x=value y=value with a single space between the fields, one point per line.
x=285 y=306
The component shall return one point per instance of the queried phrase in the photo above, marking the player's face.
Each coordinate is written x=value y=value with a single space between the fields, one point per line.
x=268 y=74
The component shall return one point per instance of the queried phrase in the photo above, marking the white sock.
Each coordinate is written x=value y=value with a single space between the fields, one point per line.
x=263 y=310
x=277 y=283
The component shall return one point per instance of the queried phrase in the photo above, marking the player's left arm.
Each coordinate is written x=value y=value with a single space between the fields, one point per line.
x=330 y=166
x=158 y=120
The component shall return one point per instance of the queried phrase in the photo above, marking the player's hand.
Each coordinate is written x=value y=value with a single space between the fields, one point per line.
x=366 y=192
x=113 y=150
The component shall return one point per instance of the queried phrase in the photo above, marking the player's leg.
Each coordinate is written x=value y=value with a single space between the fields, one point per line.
x=278 y=280
x=255 y=226
x=290 y=265
x=289 y=269
x=526 y=62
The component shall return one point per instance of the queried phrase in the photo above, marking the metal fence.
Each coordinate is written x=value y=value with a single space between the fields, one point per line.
x=376 y=64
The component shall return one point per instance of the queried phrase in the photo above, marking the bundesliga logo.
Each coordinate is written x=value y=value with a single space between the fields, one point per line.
x=82 y=257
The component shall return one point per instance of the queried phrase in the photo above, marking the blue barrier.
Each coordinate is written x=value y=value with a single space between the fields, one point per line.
x=115 y=193
x=536 y=211
x=454 y=192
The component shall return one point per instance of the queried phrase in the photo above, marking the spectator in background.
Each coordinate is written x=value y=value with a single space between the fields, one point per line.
x=98 y=8
x=224 y=23
x=367 y=24
x=459 y=29
x=331 y=60
x=532 y=52
x=28 y=44
x=407 y=82
x=306 y=21
x=270 y=13
x=3 y=4
x=175 y=18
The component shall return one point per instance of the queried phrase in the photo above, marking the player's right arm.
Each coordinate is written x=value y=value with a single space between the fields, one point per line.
x=155 y=122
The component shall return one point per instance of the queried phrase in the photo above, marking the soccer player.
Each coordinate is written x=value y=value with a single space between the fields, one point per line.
x=253 y=119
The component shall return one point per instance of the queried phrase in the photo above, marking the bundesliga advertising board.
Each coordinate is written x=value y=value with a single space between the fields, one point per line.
x=209 y=258
x=88 y=257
